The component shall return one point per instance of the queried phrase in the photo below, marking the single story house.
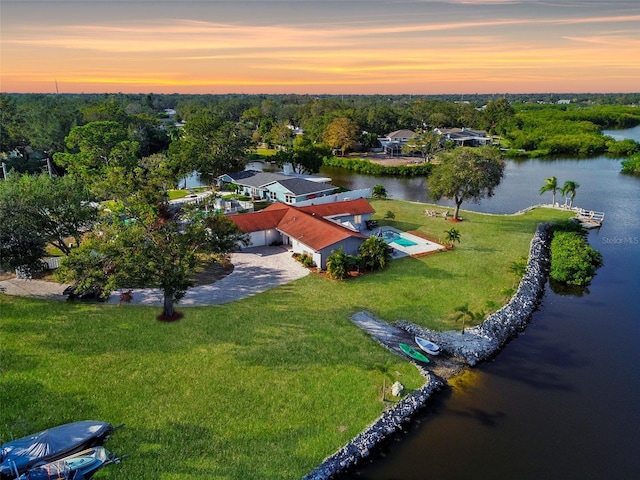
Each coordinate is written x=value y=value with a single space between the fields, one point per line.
x=317 y=230
x=465 y=137
x=277 y=187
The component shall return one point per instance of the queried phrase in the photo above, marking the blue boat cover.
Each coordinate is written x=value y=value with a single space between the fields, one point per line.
x=51 y=444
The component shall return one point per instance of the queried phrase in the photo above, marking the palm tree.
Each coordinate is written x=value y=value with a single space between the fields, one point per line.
x=569 y=190
x=463 y=313
x=385 y=370
x=453 y=235
x=551 y=183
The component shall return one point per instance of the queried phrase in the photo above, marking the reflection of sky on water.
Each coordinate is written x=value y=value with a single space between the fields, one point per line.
x=520 y=187
x=570 y=376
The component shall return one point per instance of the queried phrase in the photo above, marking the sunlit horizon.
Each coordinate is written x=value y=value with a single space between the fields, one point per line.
x=294 y=47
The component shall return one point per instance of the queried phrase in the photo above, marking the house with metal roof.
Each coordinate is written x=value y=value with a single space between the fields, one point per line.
x=277 y=187
x=315 y=230
x=393 y=142
x=465 y=137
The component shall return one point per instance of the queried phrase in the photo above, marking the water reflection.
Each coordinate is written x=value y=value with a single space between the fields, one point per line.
x=518 y=190
x=560 y=401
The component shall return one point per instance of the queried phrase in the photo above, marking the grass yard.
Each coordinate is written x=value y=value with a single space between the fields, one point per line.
x=262 y=388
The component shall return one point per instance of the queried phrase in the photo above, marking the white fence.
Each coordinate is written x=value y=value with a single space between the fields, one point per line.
x=52 y=262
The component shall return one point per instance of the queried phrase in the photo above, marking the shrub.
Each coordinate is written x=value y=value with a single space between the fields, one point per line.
x=632 y=165
x=573 y=260
x=570 y=225
x=375 y=253
x=305 y=259
x=379 y=192
x=367 y=167
x=623 y=148
x=338 y=264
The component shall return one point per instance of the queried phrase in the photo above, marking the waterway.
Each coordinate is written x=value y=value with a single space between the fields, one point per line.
x=562 y=400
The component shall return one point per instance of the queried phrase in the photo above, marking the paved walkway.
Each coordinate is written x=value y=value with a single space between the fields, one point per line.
x=255 y=270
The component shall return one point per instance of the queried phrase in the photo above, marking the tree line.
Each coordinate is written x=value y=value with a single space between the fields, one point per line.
x=36 y=125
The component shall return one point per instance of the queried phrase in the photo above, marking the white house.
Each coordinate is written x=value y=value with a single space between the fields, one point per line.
x=316 y=230
x=465 y=137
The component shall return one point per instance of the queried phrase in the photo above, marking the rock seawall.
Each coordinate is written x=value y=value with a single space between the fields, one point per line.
x=483 y=341
x=388 y=423
x=476 y=344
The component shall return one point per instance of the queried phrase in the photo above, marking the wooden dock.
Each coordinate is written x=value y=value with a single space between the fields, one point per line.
x=590 y=218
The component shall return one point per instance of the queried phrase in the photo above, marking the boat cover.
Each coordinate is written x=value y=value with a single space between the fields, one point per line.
x=51 y=444
x=51 y=471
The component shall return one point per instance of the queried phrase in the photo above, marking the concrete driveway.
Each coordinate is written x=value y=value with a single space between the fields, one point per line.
x=255 y=270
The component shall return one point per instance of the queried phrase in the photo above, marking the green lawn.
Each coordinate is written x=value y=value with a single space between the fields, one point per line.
x=262 y=388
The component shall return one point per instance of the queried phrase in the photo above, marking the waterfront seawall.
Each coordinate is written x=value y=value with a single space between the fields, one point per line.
x=483 y=341
x=475 y=345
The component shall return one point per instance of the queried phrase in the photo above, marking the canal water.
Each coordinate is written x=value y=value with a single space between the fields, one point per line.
x=562 y=400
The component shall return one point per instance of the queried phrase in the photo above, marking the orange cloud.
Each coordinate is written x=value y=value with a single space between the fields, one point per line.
x=368 y=53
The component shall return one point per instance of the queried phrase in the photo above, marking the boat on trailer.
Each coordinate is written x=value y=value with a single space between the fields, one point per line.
x=428 y=346
x=18 y=456
x=79 y=466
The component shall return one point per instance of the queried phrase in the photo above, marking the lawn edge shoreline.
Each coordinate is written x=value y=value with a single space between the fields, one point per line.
x=477 y=344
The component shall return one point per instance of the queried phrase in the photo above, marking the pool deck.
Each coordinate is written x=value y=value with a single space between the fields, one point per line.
x=422 y=246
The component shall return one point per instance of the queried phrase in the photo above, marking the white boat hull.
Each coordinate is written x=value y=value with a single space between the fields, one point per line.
x=427 y=346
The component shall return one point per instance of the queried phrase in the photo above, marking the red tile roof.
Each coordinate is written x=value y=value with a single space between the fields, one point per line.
x=359 y=206
x=313 y=230
x=305 y=224
x=258 y=221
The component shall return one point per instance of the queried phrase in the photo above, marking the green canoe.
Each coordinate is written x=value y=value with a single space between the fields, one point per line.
x=413 y=353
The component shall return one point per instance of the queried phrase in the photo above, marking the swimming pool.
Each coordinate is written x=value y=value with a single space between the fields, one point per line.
x=404 y=242
x=393 y=237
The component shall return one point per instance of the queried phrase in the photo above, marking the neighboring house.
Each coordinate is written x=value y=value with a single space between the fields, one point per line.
x=277 y=187
x=317 y=230
x=393 y=142
x=465 y=137
x=295 y=130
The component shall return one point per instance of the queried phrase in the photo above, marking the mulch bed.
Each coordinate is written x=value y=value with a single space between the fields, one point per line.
x=173 y=318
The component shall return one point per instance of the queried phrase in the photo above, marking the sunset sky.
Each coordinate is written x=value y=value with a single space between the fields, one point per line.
x=333 y=47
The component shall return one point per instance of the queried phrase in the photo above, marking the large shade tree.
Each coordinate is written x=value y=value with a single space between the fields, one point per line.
x=466 y=174
x=144 y=241
x=95 y=148
x=497 y=115
x=160 y=247
x=211 y=147
x=12 y=124
x=36 y=210
x=304 y=156
x=341 y=134
x=20 y=244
